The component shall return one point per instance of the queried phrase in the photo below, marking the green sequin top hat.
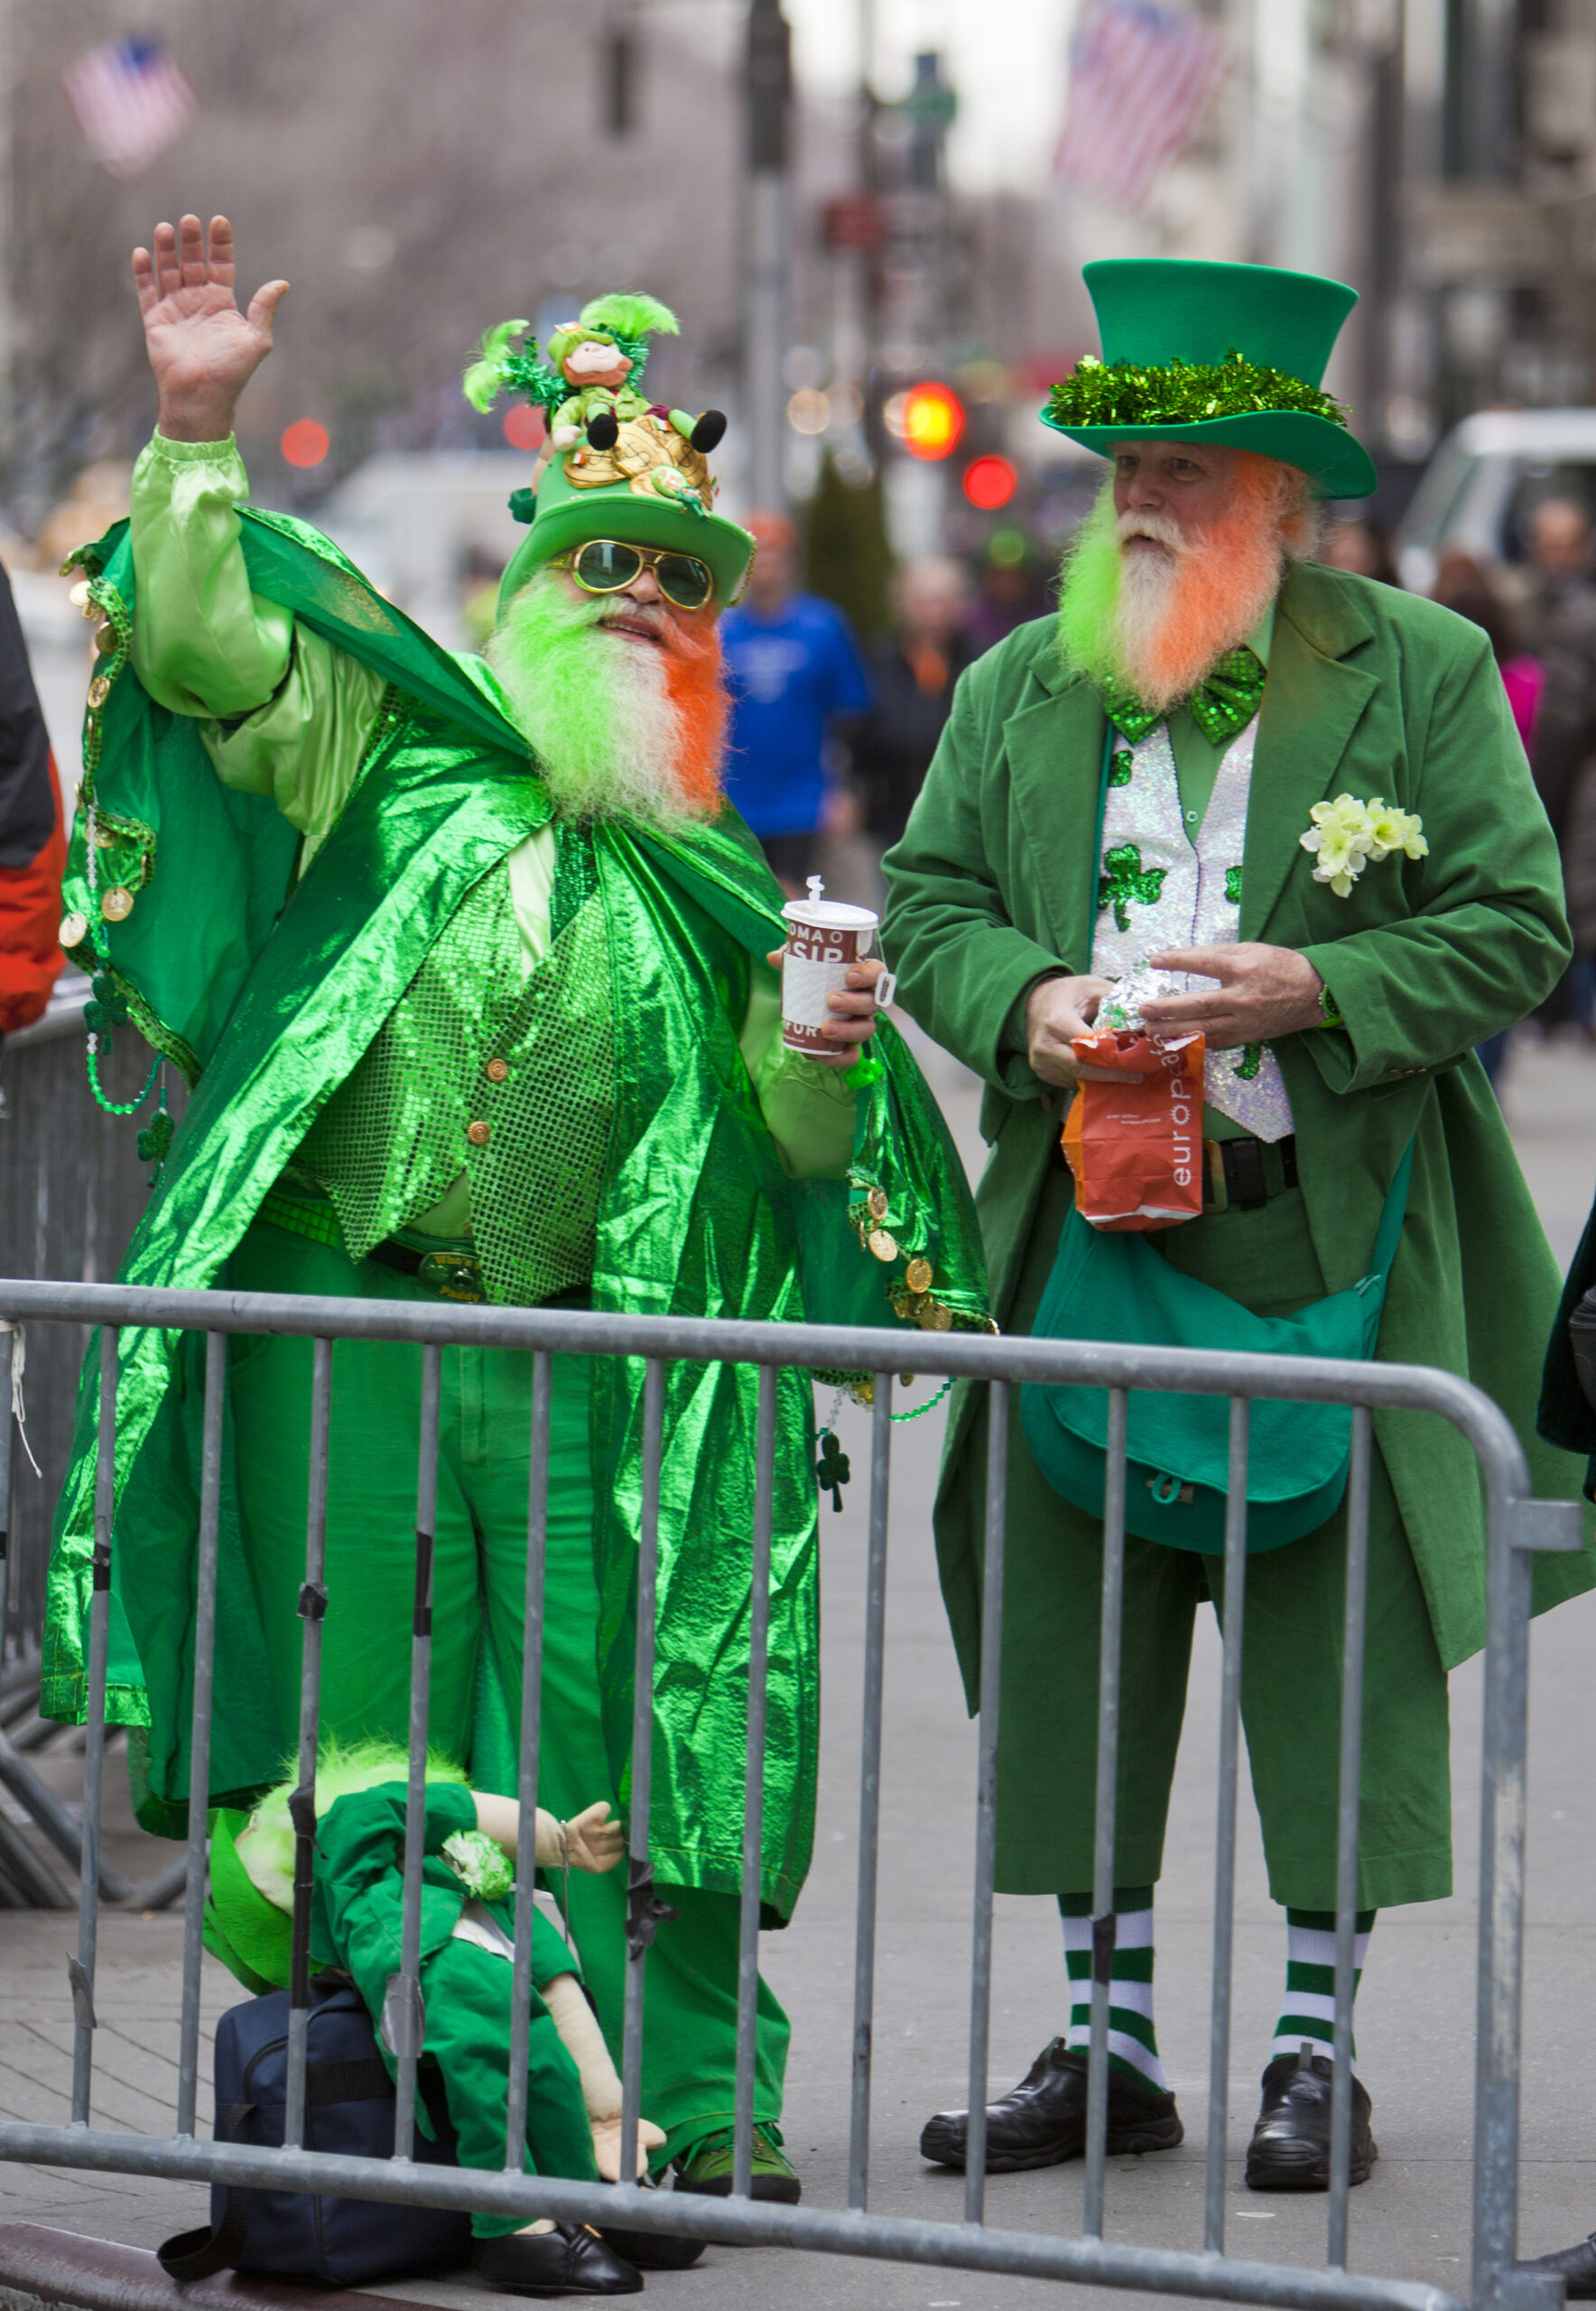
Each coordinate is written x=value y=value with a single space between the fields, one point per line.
x=614 y=465
x=1229 y=353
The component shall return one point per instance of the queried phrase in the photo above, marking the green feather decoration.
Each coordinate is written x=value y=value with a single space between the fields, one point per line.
x=1182 y=392
x=488 y=376
x=629 y=315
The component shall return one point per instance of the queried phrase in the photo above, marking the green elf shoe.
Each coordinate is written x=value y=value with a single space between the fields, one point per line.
x=707 y=2168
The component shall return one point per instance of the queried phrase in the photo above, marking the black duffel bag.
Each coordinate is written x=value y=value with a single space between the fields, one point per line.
x=350 y=2107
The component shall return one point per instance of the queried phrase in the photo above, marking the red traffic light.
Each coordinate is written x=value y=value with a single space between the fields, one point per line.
x=305 y=442
x=933 y=421
x=990 y=482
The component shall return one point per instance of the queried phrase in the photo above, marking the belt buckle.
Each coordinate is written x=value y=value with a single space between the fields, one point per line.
x=452 y=1275
x=1217 y=1198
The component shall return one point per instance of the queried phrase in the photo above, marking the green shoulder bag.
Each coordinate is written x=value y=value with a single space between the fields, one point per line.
x=1116 y=1287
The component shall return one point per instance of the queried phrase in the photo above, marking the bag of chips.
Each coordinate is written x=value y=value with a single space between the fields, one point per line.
x=1135 y=1149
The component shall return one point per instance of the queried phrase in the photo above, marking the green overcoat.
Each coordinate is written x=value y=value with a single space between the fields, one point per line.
x=1373 y=692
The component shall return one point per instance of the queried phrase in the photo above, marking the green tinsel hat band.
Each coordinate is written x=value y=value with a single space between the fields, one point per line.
x=1182 y=393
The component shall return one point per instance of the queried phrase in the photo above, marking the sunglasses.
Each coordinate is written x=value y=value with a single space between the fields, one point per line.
x=605 y=566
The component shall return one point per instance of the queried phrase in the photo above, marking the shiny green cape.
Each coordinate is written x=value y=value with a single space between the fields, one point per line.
x=266 y=992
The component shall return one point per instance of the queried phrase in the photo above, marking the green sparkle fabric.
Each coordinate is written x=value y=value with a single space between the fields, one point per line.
x=1223 y=703
x=396 y=1134
x=283 y=986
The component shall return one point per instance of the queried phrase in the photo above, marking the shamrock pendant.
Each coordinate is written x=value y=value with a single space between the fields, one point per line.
x=832 y=1469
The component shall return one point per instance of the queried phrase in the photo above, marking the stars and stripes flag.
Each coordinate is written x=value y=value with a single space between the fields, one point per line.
x=131 y=102
x=1141 y=77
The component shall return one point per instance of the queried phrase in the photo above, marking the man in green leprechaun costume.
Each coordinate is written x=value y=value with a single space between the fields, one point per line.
x=1312 y=812
x=470 y=970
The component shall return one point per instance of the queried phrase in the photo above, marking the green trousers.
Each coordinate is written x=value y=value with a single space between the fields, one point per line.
x=479 y=1576
x=1290 y=1659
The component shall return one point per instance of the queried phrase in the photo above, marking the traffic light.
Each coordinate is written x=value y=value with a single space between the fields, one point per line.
x=932 y=419
x=990 y=482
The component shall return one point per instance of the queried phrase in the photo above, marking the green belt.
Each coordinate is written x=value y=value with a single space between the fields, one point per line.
x=447 y=1268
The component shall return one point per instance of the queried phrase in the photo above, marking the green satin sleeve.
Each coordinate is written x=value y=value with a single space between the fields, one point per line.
x=282 y=712
x=807 y=1107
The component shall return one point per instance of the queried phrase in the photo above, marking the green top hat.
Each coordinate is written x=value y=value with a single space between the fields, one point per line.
x=1229 y=353
x=653 y=488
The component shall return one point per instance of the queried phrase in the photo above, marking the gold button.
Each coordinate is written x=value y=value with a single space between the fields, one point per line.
x=478 y=1133
x=496 y=1070
x=99 y=689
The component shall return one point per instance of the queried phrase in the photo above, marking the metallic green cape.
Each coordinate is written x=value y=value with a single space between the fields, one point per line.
x=265 y=993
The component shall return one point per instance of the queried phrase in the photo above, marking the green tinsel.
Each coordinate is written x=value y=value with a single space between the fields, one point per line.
x=480 y=1863
x=1182 y=393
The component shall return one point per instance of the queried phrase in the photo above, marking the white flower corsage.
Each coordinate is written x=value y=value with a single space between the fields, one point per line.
x=481 y=1864
x=1348 y=833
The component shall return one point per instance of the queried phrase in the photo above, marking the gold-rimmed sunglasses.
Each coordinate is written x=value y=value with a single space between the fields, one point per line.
x=607 y=566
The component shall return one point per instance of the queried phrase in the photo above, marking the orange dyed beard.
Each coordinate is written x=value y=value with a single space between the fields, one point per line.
x=695 y=684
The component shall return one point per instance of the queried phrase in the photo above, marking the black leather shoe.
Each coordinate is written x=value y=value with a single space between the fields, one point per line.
x=654 y=2250
x=1575 y=2265
x=1290 y=2146
x=569 y=2260
x=1043 y=2121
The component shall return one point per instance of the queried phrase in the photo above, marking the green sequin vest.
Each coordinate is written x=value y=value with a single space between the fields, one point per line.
x=482 y=1070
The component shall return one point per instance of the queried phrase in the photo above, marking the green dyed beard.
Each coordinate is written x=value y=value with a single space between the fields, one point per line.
x=595 y=708
x=1089 y=594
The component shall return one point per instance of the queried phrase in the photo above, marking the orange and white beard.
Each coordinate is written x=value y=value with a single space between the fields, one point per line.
x=1155 y=618
x=620 y=727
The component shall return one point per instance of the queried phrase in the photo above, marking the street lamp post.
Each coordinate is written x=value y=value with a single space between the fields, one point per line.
x=768 y=86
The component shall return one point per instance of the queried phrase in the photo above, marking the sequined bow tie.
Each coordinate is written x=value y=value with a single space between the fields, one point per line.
x=1221 y=704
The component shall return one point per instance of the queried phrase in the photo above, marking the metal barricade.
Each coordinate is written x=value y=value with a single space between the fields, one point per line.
x=1517 y=1527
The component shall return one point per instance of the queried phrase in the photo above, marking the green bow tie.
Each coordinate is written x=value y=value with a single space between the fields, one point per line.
x=1221 y=704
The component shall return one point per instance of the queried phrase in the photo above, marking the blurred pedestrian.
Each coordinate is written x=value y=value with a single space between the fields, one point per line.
x=793 y=666
x=1464 y=585
x=1356 y=543
x=33 y=844
x=1564 y=755
x=1560 y=569
x=913 y=670
x=1011 y=589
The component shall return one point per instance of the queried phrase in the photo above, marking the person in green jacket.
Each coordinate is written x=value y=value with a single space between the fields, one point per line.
x=1317 y=822
x=470 y=969
x=573 y=2100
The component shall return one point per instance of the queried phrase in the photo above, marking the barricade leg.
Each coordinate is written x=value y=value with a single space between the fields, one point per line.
x=210 y=1493
x=81 y=1968
x=747 y=1972
x=312 y=1609
x=864 y=1943
x=1354 y=1630
x=532 y=1702
x=986 y=1801
x=1110 y=1631
x=1224 y=1865
x=402 y=2016
x=640 y=1897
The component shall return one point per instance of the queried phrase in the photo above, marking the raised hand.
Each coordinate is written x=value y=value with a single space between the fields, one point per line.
x=202 y=350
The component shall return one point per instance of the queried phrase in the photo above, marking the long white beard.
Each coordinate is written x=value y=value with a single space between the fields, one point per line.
x=595 y=709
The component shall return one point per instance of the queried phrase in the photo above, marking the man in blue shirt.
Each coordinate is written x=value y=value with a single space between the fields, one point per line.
x=793 y=663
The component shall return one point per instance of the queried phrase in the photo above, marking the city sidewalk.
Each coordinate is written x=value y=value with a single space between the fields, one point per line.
x=1415 y=2010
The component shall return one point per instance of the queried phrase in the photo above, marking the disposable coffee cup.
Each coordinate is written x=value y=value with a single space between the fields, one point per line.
x=825 y=938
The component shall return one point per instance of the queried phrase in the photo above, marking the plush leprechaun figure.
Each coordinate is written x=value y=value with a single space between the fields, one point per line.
x=573 y=2107
x=589 y=384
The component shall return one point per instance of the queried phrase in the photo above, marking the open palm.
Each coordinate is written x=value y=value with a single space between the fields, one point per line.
x=202 y=348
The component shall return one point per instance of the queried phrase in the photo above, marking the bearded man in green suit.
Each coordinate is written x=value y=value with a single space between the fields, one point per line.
x=1205 y=688
x=470 y=969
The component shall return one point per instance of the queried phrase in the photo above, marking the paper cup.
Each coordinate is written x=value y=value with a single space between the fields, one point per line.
x=825 y=939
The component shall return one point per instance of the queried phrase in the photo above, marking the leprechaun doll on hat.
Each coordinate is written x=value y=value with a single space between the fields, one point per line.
x=470 y=967
x=1299 y=794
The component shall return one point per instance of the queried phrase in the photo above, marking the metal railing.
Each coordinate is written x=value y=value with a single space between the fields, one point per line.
x=1517 y=1527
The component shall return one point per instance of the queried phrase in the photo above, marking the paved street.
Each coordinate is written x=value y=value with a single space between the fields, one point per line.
x=1415 y=2010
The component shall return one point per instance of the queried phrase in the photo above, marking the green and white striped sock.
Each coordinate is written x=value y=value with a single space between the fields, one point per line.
x=1133 y=2043
x=1309 y=2011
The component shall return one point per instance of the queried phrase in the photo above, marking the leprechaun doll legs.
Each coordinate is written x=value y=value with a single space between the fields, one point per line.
x=690 y=2037
x=1291 y=1710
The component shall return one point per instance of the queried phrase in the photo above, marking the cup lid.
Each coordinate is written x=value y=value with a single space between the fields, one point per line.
x=829 y=914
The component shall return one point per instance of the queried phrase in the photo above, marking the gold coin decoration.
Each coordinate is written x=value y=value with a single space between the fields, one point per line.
x=99 y=689
x=116 y=904
x=79 y=596
x=907 y=1379
x=917 y=1276
x=877 y=1203
x=74 y=930
x=104 y=838
x=884 y=1246
x=933 y=1317
x=105 y=638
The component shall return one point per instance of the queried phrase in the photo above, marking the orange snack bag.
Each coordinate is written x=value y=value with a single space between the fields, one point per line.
x=1135 y=1149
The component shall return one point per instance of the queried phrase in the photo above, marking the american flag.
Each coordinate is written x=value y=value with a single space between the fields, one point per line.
x=1140 y=79
x=131 y=102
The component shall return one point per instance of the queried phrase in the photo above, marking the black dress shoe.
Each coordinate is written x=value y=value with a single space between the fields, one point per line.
x=1290 y=2146
x=568 y=2259
x=1043 y=2121
x=1575 y=2265
x=654 y=2250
